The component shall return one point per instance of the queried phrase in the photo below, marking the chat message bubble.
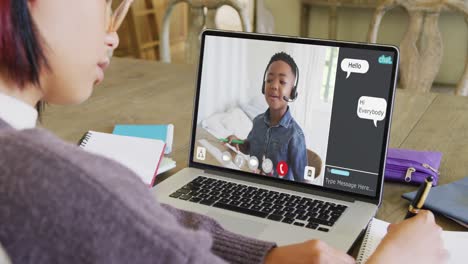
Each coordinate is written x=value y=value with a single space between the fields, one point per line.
x=371 y=108
x=353 y=65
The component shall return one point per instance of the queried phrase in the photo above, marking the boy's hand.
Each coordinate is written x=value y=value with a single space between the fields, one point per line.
x=312 y=251
x=230 y=139
x=415 y=240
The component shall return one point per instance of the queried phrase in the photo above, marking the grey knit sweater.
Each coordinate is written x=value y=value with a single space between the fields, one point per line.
x=59 y=204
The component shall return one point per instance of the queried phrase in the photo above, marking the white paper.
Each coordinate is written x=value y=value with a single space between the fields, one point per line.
x=141 y=155
x=455 y=242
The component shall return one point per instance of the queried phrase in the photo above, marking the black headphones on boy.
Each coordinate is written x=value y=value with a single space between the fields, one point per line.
x=293 y=91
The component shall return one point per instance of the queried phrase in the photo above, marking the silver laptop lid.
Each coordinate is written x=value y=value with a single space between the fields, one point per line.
x=305 y=112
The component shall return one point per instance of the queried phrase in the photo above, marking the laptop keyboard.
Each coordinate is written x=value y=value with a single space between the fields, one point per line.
x=276 y=206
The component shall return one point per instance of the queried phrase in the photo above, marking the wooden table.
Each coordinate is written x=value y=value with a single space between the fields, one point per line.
x=145 y=92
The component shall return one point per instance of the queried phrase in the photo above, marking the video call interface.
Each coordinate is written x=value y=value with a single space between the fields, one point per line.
x=299 y=112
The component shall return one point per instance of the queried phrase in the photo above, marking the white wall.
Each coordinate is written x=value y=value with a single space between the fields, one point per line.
x=224 y=76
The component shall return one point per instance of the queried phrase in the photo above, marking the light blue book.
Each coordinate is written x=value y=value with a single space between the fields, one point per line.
x=161 y=132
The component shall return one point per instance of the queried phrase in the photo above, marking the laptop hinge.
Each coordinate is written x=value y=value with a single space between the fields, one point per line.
x=286 y=185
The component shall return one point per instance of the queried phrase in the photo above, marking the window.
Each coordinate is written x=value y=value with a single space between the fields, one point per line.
x=329 y=75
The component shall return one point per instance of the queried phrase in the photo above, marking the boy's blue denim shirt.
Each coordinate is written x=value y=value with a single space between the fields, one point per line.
x=283 y=142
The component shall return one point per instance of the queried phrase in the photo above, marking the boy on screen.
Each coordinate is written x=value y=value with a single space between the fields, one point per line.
x=276 y=139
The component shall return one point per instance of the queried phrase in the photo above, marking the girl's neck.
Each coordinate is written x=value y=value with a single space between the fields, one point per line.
x=28 y=94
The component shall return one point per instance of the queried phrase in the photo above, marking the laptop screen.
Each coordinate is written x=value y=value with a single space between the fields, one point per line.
x=305 y=111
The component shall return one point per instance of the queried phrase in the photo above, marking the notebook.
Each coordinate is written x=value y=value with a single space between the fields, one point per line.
x=166 y=165
x=141 y=155
x=455 y=242
x=161 y=132
x=449 y=199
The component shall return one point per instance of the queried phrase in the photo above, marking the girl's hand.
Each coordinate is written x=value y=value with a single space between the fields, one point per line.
x=415 y=240
x=312 y=251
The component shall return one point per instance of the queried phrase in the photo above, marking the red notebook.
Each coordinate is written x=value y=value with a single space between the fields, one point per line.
x=141 y=155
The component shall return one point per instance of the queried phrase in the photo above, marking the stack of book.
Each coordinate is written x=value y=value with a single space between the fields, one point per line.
x=158 y=132
x=141 y=148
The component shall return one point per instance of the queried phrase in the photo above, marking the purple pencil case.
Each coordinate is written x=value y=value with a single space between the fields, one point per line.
x=412 y=166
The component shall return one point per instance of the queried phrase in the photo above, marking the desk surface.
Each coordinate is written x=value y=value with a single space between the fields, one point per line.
x=147 y=92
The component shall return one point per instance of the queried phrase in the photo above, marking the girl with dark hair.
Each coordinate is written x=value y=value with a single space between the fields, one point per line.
x=59 y=204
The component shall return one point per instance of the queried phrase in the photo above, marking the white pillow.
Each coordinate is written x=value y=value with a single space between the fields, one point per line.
x=255 y=106
x=232 y=122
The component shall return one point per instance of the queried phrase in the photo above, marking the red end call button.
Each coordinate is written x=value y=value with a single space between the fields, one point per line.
x=282 y=168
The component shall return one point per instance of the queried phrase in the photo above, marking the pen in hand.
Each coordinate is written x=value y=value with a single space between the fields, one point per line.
x=234 y=141
x=420 y=197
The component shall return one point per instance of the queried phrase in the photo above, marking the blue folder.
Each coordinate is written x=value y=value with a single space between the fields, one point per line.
x=161 y=132
x=450 y=200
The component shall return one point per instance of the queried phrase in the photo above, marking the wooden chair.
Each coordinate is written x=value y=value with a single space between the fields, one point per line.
x=419 y=64
x=264 y=20
x=314 y=160
x=199 y=19
x=140 y=32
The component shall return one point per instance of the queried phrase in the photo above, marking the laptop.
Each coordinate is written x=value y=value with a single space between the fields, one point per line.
x=289 y=137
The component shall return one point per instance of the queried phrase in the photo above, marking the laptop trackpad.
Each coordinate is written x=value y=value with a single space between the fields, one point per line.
x=238 y=225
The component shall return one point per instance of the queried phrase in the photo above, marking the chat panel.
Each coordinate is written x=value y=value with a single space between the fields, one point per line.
x=359 y=113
